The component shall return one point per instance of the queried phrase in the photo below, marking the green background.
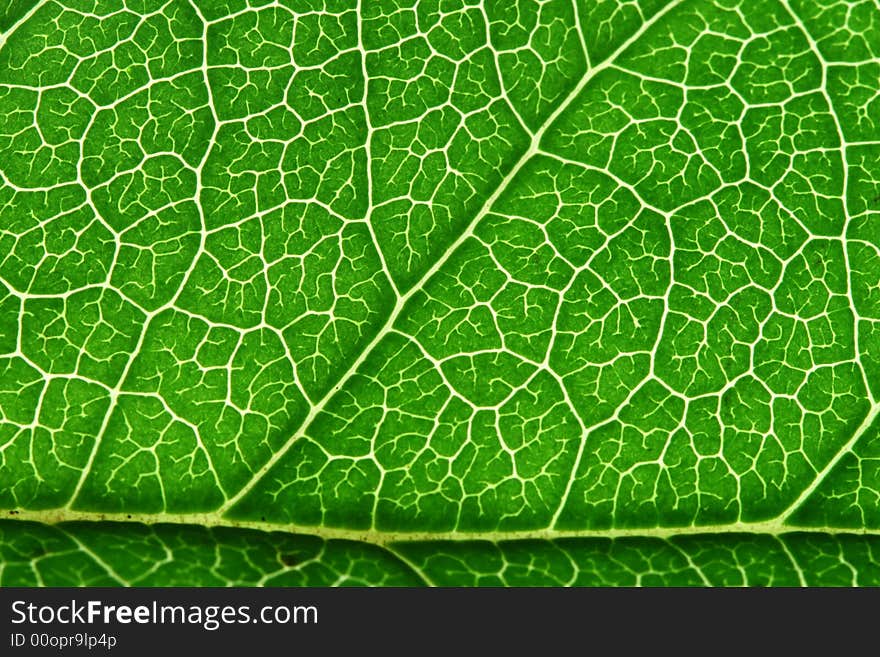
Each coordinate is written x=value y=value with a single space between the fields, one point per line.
x=440 y=292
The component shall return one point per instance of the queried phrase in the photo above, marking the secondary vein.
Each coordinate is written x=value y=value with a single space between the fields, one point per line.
x=533 y=149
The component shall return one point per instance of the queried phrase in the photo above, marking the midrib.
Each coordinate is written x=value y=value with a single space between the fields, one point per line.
x=382 y=538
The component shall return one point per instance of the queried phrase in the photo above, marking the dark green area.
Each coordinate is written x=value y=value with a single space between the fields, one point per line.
x=13 y=10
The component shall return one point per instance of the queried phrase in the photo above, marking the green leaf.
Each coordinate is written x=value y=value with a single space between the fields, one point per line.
x=439 y=292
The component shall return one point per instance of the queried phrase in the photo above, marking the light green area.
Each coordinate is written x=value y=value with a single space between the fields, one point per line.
x=511 y=272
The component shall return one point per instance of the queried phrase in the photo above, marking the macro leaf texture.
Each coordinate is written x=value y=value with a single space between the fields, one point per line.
x=445 y=292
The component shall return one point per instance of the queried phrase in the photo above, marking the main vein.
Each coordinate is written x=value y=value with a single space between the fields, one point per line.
x=379 y=537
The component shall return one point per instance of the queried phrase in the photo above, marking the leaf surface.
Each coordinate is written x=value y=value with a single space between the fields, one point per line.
x=439 y=292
